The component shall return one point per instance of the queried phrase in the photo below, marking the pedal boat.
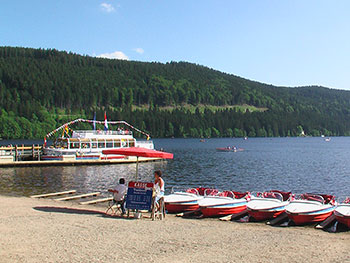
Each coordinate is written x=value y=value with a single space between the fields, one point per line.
x=342 y=212
x=310 y=208
x=178 y=202
x=226 y=203
x=268 y=205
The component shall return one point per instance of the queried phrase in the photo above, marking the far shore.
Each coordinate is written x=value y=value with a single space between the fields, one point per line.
x=39 y=230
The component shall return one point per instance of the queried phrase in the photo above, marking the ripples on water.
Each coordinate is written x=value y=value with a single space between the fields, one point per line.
x=290 y=164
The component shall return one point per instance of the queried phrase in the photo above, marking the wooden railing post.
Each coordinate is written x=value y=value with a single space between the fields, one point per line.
x=16 y=152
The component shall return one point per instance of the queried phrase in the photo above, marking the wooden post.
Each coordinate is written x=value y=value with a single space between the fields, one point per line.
x=137 y=167
x=33 y=151
x=16 y=152
x=39 y=151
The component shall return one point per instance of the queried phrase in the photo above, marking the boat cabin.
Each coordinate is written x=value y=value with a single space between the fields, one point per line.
x=92 y=143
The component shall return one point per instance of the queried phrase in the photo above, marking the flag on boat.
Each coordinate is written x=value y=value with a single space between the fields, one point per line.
x=94 y=123
x=106 y=123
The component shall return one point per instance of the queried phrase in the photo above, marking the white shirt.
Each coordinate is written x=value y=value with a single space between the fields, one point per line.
x=121 y=192
x=159 y=189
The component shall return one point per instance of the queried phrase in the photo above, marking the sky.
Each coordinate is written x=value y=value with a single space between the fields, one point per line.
x=279 y=42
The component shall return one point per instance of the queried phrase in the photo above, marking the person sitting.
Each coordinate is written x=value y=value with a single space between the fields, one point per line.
x=158 y=186
x=119 y=194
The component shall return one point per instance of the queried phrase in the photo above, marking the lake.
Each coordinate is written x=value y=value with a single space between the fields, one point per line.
x=289 y=164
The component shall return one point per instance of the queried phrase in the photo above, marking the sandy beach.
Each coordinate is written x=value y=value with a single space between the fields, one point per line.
x=37 y=230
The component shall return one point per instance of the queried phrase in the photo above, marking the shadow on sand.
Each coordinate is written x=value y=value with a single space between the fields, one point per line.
x=69 y=210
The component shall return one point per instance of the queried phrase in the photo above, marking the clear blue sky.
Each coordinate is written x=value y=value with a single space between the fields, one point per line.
x=282 y=42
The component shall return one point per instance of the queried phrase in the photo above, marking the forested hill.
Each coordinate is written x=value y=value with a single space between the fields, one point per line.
x=41 y=89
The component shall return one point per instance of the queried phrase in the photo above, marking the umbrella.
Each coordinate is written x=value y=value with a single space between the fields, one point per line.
x=139 y=152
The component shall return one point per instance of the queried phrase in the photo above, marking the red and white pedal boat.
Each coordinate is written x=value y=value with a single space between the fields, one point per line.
x=179 y=202
x=342 y=212
x=268 y=205
x=310 y=208
x=225 y=203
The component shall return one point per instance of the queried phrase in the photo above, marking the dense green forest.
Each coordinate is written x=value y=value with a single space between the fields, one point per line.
x=42 y=89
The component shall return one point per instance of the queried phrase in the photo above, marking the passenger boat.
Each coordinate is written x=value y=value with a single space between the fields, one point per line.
x=268 y=205
x=89 y=144
x=342 y=212
x=310 y=208
x=226 y=203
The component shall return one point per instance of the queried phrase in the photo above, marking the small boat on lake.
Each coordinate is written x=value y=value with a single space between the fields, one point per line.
x=342 y=212
x=310 y=208
x=225 y=203
x=268 y=205
x=229 y=149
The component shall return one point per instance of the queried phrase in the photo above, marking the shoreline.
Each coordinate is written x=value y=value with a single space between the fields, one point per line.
x=41 y=230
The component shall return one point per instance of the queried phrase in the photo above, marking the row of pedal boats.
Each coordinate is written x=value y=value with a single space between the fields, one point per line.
x=301 y=209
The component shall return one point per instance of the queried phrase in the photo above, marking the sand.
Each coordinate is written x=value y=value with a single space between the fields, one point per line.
x=38 y=230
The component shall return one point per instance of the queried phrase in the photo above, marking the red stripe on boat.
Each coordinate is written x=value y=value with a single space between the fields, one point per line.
x=221 y=211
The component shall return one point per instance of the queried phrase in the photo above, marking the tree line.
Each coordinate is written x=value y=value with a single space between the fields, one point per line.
x=41 y=89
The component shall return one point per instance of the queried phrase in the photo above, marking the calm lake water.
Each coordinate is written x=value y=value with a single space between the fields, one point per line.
x=290 y=164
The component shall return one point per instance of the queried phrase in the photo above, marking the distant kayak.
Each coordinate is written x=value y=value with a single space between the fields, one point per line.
x=229 y=149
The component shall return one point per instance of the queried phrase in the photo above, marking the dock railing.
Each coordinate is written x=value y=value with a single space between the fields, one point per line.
x=21 y=151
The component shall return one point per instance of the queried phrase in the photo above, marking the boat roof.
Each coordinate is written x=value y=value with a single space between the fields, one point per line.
x=106 y=134
x=91 y=134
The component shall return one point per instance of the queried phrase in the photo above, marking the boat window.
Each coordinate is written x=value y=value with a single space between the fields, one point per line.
x=131 y=143
x=64 y=144
x=101 y=144
x=85 y=145
x=124 y=143
x=94 y=145
x=109 y=144
x=60 y=144
x=117 y=143
x=74 y=145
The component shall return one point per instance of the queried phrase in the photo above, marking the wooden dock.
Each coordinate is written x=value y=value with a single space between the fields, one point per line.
x=130 y=159
x=18 y=152
x=68 y=198
x=97 y=201
x=54 y=194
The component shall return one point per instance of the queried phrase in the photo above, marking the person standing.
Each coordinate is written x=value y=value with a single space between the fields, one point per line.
x=158 y=185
